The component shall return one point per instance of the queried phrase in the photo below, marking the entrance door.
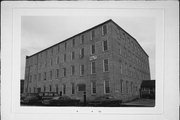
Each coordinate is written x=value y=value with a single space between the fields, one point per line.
x=81 y=87
x=38 y=90
x=81 y=92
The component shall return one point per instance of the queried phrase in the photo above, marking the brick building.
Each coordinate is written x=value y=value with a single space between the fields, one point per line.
x=103 y=60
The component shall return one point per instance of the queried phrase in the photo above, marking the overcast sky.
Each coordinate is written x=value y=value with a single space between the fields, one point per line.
x=40 y=32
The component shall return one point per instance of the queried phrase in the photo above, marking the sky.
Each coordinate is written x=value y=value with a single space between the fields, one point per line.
x=40 y=32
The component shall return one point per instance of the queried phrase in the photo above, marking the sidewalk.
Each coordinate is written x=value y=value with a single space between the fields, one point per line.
x=141 y=103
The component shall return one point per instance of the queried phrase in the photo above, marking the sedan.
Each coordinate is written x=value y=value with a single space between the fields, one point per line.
x=106 y=100
x=61 y=101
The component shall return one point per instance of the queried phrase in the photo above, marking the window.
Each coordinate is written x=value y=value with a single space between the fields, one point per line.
x=51 y=74
x=81 y=87
x=121 y=68
x=34 y=90
x=81 y=70
x=44 y=88
x=93 y=67
x=104 y=30
x=105 y=45
x=64 y=57
x=29 y=90
x=57 y=73
x=39 y=77
x=106 y=66
x=72 y=69
x=30 y=79
x=92 y=35
x=57 y=62
x=82 y=39
x=121 y=85
x=35 y=77
x=106 y=87
x=92 y=49
x=93 y=87
x=131 y=87
x=81 y=52
x=64 y=72
x=50 y=88
x=44 y=75
x=64 y=89
x=126 y=86
x=73 y=88
x=56 y=88
x=72 y=55
x=73 y=42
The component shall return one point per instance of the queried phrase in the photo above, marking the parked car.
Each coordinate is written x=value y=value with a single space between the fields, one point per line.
x=32 y=99
x=61 y=100
x=105 y=100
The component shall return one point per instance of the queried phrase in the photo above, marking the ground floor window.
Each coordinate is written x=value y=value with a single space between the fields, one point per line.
x=93 y=87
x=57 y=88
x=127 y=87
x=106 y=87
x=50 y=88
x=121 y=85
x=38 y=90
x=44 y=88
x=73 y=90
x=64 y=89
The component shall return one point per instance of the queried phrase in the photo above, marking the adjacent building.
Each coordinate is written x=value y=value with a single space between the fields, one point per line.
x=147 y=89
x=22 y=86
x=103 y=60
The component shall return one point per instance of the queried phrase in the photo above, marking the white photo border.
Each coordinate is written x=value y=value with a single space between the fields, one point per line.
x=166 y=14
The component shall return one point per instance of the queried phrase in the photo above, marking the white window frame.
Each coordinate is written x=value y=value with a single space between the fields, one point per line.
x=81 y=70
x=91 y=49
x=104 y=66
x=103 y=45
x=91 y=67
x=80 y=55
x=72 y=55
x=92 y=88
x=105 y=87
x=102 y=30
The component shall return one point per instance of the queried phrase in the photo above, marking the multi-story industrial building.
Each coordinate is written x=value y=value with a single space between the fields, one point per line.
x=103 y=60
